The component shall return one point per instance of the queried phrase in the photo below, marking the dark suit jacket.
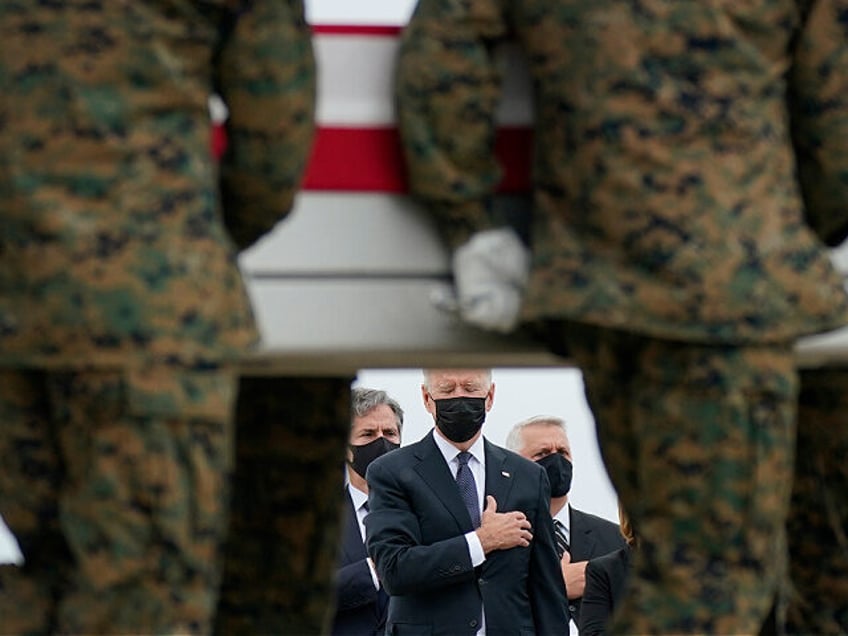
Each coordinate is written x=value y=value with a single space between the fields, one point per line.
x=606 y=577
x=415 y=536
x=591 y=536
x=360 y=607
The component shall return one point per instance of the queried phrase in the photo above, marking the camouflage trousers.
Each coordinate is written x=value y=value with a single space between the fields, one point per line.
x=115 y=485
x=280 y=557
x=699 y=443
x=818 y=517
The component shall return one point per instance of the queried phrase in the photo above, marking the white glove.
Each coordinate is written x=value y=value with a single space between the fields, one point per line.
x=490 y=273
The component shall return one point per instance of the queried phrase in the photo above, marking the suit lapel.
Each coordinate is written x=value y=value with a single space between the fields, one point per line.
x=435 y=473
x=582 y=540
x=352 y=547
x=499 y=478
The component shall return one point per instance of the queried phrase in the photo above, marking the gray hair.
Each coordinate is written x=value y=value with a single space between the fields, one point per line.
x=428 y=372
x=513 y=439
x=363 y=401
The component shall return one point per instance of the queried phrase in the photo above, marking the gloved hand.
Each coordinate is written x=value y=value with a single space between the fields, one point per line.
x=490 y=273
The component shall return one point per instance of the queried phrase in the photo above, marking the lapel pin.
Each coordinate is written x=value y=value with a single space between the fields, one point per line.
x=504 y=473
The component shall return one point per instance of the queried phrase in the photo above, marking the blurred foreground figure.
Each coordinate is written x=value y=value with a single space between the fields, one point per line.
x=690 y=165
x=280 y=555
x=122 y=312
x=818 y=517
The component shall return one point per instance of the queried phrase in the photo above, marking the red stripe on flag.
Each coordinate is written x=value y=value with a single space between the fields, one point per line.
x=514 y=149
x=356 y=29
x=370 y=159
x=219 y=140
x=356 y=159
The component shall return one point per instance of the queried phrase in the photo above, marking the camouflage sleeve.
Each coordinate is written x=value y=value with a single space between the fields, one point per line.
x=447 y=89
x=819 y=111
x=266 y=75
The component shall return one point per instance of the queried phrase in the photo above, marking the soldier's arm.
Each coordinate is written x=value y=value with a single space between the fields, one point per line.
x=266 y=75
x=447 y=90
x=818 y=90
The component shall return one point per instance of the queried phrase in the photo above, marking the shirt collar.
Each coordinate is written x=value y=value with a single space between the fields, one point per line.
x=357 y=496
x=449 y=451
x=564 y=517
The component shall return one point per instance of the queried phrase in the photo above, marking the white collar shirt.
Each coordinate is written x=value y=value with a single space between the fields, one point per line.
x=477 y=464
x=564 y=517
x=359 y=500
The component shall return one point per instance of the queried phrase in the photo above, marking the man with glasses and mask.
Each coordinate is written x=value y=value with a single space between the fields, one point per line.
x=580 y=536
x=451 y=564
x=361 y=602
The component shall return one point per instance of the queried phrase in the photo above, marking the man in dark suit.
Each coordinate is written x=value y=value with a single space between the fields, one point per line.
x=451 y=566
x=361 y=602
x=543 y=439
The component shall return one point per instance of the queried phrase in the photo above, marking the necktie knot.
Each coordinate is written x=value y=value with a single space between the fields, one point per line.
x=463 y=458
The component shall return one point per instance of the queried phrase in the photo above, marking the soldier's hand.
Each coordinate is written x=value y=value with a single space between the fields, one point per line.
x=502 y=530
x=490 y=273
x=574 y=575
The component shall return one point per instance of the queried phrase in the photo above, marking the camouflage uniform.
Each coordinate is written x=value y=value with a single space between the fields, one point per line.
x=122 y=311
x=691 y=160
x=117 y=495
x=818 y=546
x=280 y=558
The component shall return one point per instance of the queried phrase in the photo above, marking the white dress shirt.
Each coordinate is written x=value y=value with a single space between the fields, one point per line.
x=477 y=464
x=359 y=500
x=564 y=517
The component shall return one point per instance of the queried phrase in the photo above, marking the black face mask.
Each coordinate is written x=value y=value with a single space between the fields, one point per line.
x=367 y=453
x=559 y=471
x=460 y=418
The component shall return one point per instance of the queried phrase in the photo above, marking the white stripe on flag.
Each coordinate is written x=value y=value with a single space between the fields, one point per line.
x=355 y=74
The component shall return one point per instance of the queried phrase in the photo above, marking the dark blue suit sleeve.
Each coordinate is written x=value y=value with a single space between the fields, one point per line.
x=393 y=538
x=354 y=586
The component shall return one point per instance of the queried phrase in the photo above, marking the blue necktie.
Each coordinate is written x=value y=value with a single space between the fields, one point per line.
x=468 y=487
